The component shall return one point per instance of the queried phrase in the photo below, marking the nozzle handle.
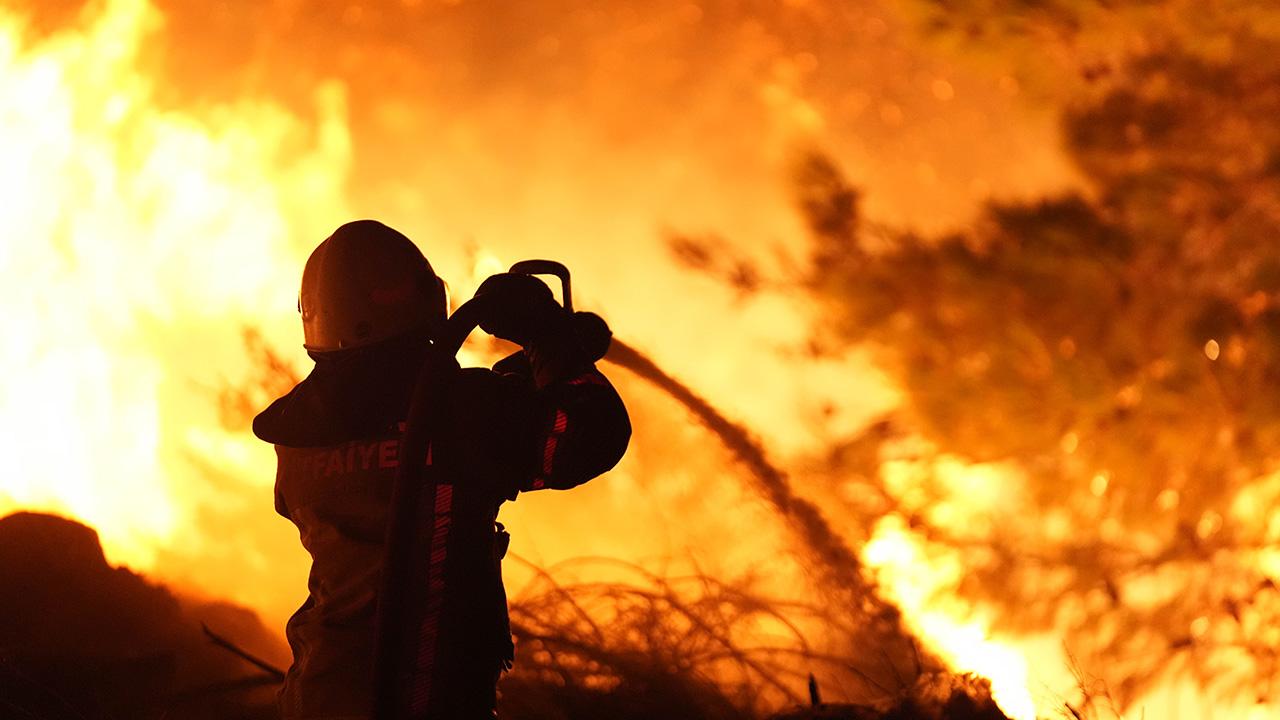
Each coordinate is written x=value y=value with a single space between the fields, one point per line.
x=548 y=267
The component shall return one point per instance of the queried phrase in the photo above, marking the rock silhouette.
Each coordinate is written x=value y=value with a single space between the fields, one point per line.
x=81 y=639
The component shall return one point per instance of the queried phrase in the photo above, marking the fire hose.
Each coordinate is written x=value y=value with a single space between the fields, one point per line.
x=835 y=562
x=410 y=527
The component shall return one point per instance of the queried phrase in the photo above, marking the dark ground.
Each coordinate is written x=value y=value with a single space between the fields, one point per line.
x=81 y=640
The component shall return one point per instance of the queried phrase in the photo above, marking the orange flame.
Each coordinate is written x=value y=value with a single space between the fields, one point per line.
x=141 y=239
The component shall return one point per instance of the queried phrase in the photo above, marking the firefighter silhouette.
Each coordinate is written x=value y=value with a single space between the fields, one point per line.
x=373 y=311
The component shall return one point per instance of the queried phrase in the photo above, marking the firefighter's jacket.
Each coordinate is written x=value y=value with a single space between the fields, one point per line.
x=542 y=419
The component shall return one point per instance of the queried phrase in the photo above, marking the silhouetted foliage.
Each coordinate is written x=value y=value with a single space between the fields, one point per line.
x=1117 y=348
x=689 y=648
x=650 y=649
x=1114 y=349
x=866 y=619
x=933 y=696
x=239 y=401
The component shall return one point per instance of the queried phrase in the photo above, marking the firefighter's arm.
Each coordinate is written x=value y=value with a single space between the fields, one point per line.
x=572 y=423
x=580 y=427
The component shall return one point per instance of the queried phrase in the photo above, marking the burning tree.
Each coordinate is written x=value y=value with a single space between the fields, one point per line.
x=1112 y=350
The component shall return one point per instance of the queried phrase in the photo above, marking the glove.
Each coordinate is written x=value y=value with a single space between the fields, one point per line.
x=593 y=334
x=518 y=308
x=590 y=331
